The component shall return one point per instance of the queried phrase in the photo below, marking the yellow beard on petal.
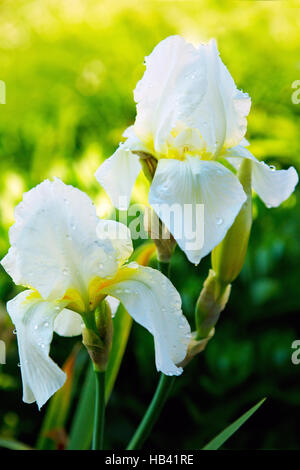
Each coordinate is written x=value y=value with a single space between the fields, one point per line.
x=32 y=296
x=97 y=284
x=95 y=296
x=173 y=151
x=75 y=301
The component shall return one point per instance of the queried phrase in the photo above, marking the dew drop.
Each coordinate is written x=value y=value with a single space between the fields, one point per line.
x=127 y=291
x=219 y=221
x=19 y=365
x=35 y=327
x=46 y=324
x=272 y=167
x=100 y=266
x=15 y=332
x=65 y=271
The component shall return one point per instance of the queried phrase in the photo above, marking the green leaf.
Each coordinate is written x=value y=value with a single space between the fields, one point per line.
x=122 y=327
x=13 y=445
x=82 y=425
x=52 y=434
x=219 y=440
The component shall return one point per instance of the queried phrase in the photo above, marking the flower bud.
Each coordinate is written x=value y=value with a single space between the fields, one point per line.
x=97 y=336
x=229 y=256
x=212 y=300
x=158 y=232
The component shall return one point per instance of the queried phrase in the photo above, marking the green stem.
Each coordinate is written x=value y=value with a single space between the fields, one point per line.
x=152 y=414
x=161 y=394
x=99 y=411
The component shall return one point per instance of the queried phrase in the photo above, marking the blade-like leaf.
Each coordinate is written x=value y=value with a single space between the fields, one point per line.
x=219 y=440
x=82 y=424
x=122 y=327
x=52 y=435
x=13 y=445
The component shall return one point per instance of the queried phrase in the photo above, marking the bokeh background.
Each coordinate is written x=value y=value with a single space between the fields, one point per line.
x=70 y=67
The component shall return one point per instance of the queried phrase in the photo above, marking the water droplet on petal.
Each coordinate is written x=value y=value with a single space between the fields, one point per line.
x=15 y=332
x=19 y=365
x=272 y=167
x=219 y=221
x=35 y=327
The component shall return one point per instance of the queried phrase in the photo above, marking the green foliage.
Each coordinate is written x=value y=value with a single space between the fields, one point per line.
x=70 y=68
x=221 y=438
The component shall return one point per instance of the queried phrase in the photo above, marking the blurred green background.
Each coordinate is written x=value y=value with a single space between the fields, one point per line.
x=70 y=67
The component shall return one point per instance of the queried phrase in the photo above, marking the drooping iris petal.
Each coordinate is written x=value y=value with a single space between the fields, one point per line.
x=118 y=174
x=152 y=300
x=34 y=321
x=180 y=187
x=68 y=323
x=54 y=242
x=187 y=99
x=272 y=186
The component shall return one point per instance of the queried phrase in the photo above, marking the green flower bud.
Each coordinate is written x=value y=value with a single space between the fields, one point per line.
x=97 y=336
x=229 y=256
x=212 y=300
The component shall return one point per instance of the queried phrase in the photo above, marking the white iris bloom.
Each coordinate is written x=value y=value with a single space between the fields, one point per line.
x=190 y=114
x=65 y=256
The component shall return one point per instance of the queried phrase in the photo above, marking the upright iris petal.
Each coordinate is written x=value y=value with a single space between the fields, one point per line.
x=70 y=260
x=189 y=111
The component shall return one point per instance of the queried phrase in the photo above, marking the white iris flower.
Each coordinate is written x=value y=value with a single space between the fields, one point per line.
x=68 y=260
x=190 y=114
